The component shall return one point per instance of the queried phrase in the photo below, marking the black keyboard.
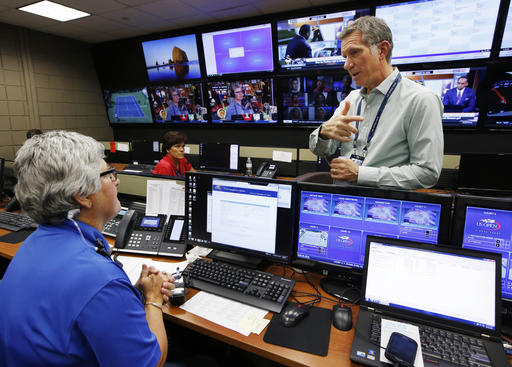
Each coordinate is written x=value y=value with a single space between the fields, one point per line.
x=253 y=287
x=459 y=349
x=140 y=167
x=15 y=221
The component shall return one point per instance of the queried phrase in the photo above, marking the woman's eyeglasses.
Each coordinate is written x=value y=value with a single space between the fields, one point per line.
x=111 y=173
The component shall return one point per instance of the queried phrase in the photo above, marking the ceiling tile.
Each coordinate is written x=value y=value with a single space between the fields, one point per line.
x=97 y=23
x=220 y=5
x=131 y=17
x=21 y=18
x=136 y=2
x=234 y=13
x=93 y=6
x=13 y=4
x=68 y=30
x=169 y=9
x=273 y=6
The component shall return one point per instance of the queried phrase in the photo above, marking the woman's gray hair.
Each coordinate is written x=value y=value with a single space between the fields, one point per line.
x=51 y=168
x=374 y=30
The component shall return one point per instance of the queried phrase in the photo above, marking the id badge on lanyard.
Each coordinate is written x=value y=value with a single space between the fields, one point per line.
x=358 y=159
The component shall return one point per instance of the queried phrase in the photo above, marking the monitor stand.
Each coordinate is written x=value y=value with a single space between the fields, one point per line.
x=237 y=259
x=343 y=290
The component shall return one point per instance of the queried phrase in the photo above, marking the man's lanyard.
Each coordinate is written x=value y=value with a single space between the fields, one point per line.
x=377 y=118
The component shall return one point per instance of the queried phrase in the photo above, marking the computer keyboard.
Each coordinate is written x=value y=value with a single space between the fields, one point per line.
x=140 y=167
x=461 y=350
x=253 y=287
x=15 y=221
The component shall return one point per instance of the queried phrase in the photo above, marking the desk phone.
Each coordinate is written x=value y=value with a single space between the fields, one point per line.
x=112 y=225
x=150 y=234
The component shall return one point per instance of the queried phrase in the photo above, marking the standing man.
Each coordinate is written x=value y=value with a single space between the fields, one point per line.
x=389 y=132
x=461 y=98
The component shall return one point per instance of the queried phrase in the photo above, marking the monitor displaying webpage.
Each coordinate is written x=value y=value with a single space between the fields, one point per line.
x=455 y=287
x=491 y=230
x=506 y=42
x=244 y=214
x=440 y=30
x=460 y=90
x=333 y=228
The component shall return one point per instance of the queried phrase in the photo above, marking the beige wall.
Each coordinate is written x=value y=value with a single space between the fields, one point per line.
x=47 y=82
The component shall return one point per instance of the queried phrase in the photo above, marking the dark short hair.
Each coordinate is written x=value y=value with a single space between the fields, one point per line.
x=172 y=138
x=33 y=132
x=304 y=29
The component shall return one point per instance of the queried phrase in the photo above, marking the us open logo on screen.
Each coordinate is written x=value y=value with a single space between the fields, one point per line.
x=488 y=223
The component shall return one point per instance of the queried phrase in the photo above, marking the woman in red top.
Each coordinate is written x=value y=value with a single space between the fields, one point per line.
x=174 y=162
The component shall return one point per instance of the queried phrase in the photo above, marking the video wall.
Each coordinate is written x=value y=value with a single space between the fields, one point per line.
x=289 y=70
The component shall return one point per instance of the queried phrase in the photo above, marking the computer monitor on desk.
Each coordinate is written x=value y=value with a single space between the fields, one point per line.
x=246 y=218
x=146 y=151
x=218 y=156
x=334 y=221
x=485 y=173
x=485 y=223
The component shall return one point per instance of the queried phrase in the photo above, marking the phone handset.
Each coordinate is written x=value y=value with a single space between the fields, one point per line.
x=125 y=227
x=266 y=169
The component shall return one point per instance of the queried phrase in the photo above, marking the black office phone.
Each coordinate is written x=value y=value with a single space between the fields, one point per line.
x=149 y=234
x=112 y=225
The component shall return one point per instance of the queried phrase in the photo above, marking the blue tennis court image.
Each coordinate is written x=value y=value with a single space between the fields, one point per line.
x=128 y=106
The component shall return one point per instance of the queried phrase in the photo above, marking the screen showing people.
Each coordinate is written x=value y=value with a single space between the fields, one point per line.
x=174 y=58
x=312 y=42
x=128 y=106
x=499 y=99
x=238 y=50
x=488 y=229
x=439 y=30
x=460 y=90
x=333 y=228
x=313 y=100
x=246 y=101
x=506 y=42
x=178 y=104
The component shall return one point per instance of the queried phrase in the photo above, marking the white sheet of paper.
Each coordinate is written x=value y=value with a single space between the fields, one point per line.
x=122 y=147
x=187 y=150
x=280 y=156
x=230 y=314
x=133 y=266
x=412 y=331
x=165 y=197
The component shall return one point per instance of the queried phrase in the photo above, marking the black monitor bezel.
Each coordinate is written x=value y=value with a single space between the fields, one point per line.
x=156 y=154
x=222 y=169
x=239 y=251
x=345 y=271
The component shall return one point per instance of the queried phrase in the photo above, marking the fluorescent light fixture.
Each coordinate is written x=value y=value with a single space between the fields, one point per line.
x=54 y=11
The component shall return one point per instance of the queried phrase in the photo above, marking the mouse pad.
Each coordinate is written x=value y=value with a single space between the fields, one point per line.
x=317 y=323
x=15 y=237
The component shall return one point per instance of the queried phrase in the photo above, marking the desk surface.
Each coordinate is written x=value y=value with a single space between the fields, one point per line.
x=339 y=345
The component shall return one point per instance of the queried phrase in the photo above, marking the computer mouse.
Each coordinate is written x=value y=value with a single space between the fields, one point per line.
x=292 y=314
x=342 y=317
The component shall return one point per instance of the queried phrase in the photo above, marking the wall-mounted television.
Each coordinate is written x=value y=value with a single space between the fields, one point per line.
x=440 y=30
x=128 y=106
x=173 y=58
x=313 y=100
x=238 y=50
x=460 y=90
x=178 y=104
x=506 y=42
x=498 y=96
x=243 y=101
x=312 y=42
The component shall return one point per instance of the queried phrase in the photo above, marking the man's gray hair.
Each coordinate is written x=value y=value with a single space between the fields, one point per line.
x=51 y=168
x=374 y=30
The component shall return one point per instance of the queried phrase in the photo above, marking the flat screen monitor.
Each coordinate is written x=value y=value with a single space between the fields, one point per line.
x=506 y=42
x=128 y=106
x=498 y=96
x=218 y=156
x=334 y=221
x=174 y=58
x=238 y=50
x=485 y=173
x=178 y=104
x=485 y=223
x=440 y=30
x=241 y=215
x=242 y=102
x=145 y=151
x=311 y=42
x=313 y=100
x=460 y=90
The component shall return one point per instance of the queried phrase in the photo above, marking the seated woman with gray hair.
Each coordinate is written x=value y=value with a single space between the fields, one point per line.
x=64 y=301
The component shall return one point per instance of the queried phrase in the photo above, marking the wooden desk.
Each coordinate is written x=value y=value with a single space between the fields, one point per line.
x=339 y=345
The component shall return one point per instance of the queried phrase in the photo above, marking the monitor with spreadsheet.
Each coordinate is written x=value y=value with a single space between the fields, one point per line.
x=240 y=215
x=485 y=223
x=334 y=221
x=218 y=156
x=439 y=30
x=460 y=90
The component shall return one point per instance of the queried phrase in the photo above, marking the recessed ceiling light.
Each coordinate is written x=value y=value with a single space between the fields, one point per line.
x=54 y=11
